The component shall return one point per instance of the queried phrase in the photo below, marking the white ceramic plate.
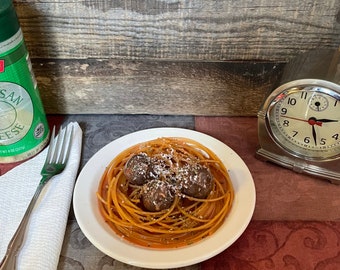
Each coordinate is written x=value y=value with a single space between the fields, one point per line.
x=101 y=236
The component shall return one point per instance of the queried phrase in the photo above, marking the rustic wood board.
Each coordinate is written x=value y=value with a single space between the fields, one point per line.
x=178 y=29
x=154 y=87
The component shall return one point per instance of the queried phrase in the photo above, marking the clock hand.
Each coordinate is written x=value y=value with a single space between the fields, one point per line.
x=314 y=134
x=294 y=118
x=312 y=121
x=326 y=120
x=317 y=104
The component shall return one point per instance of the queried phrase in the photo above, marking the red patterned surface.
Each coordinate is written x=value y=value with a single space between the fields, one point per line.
x=282 y=245
x=296 y=223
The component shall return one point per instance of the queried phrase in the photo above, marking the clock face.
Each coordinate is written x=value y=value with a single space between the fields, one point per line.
x=305 y=121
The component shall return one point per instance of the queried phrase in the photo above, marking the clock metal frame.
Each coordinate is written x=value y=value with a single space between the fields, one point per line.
x=273 y=150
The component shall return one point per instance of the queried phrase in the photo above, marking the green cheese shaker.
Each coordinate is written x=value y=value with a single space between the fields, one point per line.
x=24 y=129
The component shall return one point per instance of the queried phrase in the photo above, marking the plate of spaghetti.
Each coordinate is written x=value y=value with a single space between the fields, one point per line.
x=164 y=198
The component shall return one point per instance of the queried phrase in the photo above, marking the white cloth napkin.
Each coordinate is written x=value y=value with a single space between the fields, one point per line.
x=46 y=228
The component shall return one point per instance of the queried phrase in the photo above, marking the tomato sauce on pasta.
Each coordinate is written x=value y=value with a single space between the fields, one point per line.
x=184 y=215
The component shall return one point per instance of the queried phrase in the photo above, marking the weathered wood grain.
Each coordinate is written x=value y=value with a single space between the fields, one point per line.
x=317 y=64
x=178 y=29
x=169 y=56
x=154 y=87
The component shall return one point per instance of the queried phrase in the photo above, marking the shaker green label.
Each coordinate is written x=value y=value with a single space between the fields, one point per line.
x=23 y=127
x=17 y=110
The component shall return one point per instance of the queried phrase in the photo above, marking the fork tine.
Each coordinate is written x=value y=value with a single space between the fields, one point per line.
x=50 y=148
x=59 y=150
x=57 y=145
x=66 y=145
x=67 y=154
x=61 y=145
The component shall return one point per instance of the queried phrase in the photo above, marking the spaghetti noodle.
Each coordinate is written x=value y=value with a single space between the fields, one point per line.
x=189 y=217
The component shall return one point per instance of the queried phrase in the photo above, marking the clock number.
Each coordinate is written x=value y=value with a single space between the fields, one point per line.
x=335 y=136
x=286 y=123
x=322 y=141
x=307 y=140
x=291 y=101
x=304 y=95
x=284 y=111
x=295 y=133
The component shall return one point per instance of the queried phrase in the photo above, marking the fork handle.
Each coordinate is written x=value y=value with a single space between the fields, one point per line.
x=9 y=261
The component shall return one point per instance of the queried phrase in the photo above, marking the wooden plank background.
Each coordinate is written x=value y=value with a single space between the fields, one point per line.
x=155 y=87
x=168 y=56
x=178 y=29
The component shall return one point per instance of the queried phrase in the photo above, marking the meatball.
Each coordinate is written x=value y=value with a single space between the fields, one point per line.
x=160 y=167
x=197 y=182
x=136 y=169
x=157 y=195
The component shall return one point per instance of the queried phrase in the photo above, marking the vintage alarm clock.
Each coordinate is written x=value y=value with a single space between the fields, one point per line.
x=299 y=128
x=299 y=121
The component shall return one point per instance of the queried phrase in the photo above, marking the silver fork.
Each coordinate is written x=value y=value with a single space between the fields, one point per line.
x=55 y=163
